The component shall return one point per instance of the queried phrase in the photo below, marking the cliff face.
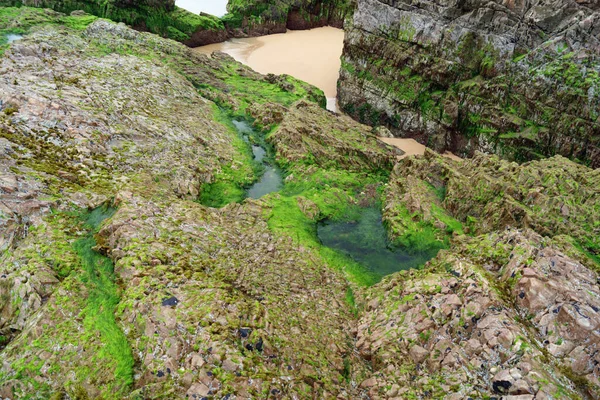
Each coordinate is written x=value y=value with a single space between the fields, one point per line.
x=259 y=17
x=513 y=78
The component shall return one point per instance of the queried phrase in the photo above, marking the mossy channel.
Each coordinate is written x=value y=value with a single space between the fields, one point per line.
x=103 y=297
x=271 y=179
x=364 y=239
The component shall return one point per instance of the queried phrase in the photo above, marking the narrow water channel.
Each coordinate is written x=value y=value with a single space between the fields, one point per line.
x=271 y=180
x=365 y=241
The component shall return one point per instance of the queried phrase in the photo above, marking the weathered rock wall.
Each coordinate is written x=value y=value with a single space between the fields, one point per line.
x=517 y=79
x=260 y=17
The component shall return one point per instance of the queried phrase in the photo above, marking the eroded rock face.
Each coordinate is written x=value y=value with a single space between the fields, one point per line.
x=485 y=319
x=512 y=78
x=307 y=132
x=260 y=17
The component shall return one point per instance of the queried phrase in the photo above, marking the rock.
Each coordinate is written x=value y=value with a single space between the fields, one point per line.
x=329 y=139
x=308 y=207
x=502 y=382
x=369 y=383
x=170 y=302
x=418 y=354
x=198 y=390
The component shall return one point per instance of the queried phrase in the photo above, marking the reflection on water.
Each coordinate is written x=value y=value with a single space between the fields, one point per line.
x=213 y=7
x=312 y=56
x=365 y=241
x=13 y=37
x=269 y=182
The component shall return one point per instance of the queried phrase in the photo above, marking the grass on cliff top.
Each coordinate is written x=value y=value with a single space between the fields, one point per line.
x=178 y=24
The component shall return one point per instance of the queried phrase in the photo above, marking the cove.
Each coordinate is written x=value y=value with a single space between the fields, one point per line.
x=311 y=55
x=271 y=179
x=365 y=241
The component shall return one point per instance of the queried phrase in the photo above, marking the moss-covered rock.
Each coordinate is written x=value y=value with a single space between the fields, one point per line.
x=115 y=282
x=484 y=194
x=158 y=16
x=492 y=317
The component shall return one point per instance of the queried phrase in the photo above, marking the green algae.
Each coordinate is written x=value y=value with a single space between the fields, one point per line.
x=177 y=24
x=332 y=192
x=229 y=185
x=102 y=300
x=364 y=239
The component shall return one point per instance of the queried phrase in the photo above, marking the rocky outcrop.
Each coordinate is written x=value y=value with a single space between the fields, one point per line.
x=311 y=135
x=484 y=194
x=491 y=318
x=99 y=116
x=520 y=80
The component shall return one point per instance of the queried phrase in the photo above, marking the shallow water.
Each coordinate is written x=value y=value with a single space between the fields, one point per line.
x=365 y=241
x=271 y=179
x=312 y=56
x=213 y=7
x=269 y=182
x=13 y=37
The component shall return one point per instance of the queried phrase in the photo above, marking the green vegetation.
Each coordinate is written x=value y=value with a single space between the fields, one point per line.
x=65 y=243
x=171 y=22
x=15 y=20
x=230 y=183
x=287 y=219
x=284 y=90
x=253 y=13
x=102 y=300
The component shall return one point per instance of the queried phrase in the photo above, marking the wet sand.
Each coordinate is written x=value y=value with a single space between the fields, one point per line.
x=312 y=56
x=411 y=147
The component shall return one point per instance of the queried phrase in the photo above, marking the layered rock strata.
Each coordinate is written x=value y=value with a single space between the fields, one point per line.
x=516 y=79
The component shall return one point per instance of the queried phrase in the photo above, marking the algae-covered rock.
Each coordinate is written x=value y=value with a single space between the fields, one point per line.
x=165 y=298
x=554 y=196
x=516 y=79
x=158 y=16
x=115 y=282
x=315 y=136
x=493 y=317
